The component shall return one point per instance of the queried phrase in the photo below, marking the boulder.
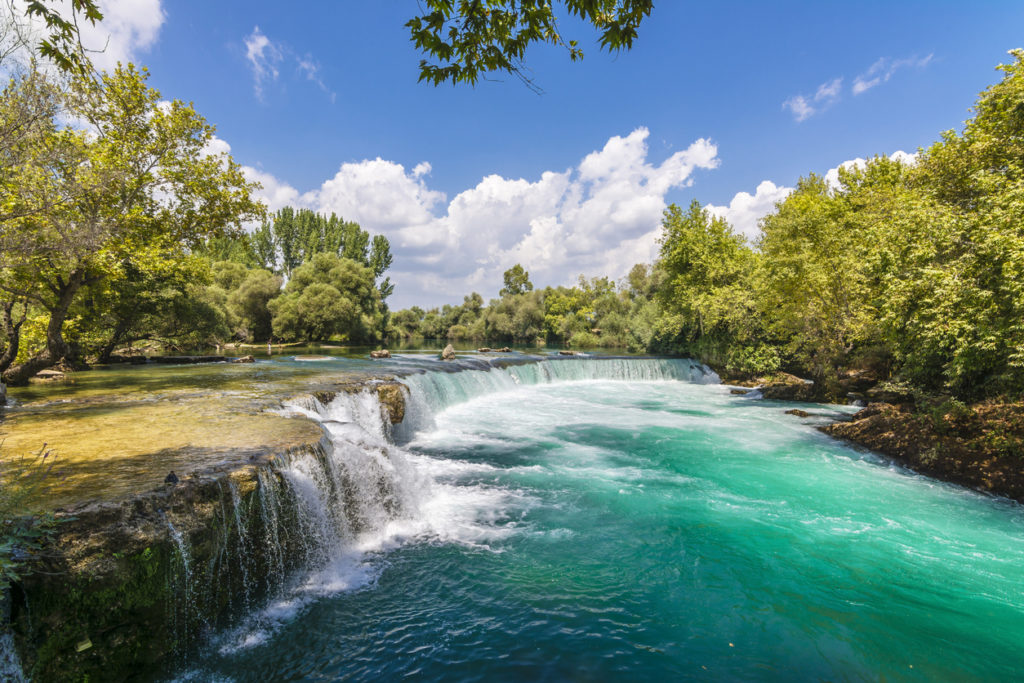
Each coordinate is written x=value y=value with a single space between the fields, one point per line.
x=244 y=359
x=567 y=352
x=786 y=387
x=798 y=412
x=484 y=349
x=448 y=353
x=504 y=350
x=739 y=392
x=383 y=353
x=889 y=393
x=392 y=401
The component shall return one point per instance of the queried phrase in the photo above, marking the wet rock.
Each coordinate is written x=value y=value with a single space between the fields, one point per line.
x=484 y=349
x=383 y=353
x=567 y=352
x=739 y=392
x=786 y=387
x=325 y=397
x=3 y=394
x=244 y=359
x=171 y=478
x=798 y=412
x=448 y=353
x=50 y=375
x=504 y=349
x=392 y=401
x=121 y=358
x=113 y=575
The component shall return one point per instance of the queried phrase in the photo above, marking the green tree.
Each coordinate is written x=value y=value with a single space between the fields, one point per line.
x=131 y=177
x=250 y=303
x=706 y=294
x=517 y=281
x=327 y=297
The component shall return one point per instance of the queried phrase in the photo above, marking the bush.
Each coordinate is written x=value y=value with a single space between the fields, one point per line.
x=753 y=361
x=22 y=533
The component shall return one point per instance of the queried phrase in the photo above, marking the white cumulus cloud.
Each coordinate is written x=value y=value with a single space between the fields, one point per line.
x=745 y=211
x=597 y=218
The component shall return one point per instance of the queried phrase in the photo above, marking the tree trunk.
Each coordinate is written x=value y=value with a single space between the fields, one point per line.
x=115 y=340
x=57 y=351
x=12 y=332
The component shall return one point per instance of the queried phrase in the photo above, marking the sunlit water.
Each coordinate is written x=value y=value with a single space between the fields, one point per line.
x=592 y=530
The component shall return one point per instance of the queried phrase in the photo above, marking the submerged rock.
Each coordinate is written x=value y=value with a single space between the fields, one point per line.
x=739 y=392
x=185 y=360
x=448 y=353
x=383 y=353
x=567 y=352
x=798 y=412
x=244 y=359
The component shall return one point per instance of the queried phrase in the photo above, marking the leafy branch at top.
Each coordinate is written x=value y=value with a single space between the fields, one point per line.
x=469 y=39
x=62 y=44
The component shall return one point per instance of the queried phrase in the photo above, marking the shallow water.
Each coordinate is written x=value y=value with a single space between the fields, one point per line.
x=119 y=430
x=607 y=529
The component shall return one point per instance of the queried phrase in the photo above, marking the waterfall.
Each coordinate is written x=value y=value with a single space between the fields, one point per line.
x=184 y=606
x=431 y=392
x=256 y=547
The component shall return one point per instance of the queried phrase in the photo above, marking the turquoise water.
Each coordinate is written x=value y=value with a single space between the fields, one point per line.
x=557 y=528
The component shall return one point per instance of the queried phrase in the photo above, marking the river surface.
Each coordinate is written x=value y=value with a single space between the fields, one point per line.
x=571 y=521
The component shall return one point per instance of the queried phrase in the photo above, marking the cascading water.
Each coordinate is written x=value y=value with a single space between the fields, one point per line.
x=604 y=519
x=341 y=507
x=432 y=392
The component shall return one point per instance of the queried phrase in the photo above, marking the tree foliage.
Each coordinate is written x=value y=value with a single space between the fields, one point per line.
x=469 y=39
x=125 y=190
x=330 y=296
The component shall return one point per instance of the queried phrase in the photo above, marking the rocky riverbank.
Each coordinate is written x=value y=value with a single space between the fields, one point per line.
x=980 y=446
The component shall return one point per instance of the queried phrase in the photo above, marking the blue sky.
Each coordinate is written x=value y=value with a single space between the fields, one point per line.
x=319 y=101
